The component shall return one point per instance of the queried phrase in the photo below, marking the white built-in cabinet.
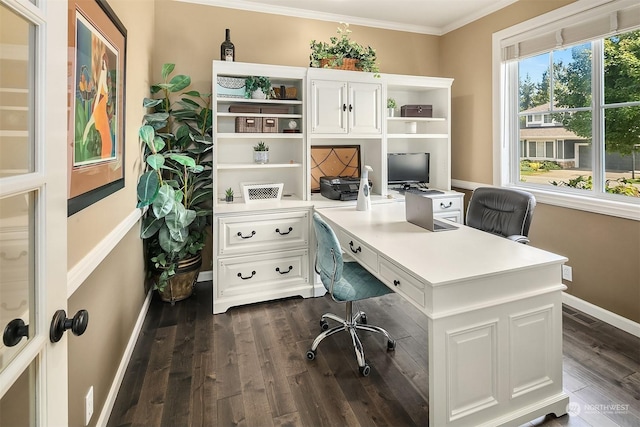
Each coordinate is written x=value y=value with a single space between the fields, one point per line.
x=340 y=107
x=264 y=249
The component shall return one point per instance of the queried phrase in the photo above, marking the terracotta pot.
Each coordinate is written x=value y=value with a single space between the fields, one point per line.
x=347 y=64
x=180 y=285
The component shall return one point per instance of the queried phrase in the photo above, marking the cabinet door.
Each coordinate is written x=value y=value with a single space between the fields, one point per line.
x=364 y=108
x=328 y=106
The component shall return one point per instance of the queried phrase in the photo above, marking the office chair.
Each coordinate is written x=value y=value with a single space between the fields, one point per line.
x=346 y=282
x=506 y=212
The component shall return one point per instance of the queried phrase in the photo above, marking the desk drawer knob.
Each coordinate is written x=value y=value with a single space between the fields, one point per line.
x=285 y=233
x=443 y=206
x=356 y=250
x=253 y=233
x=284 y=272
x=253 y=273
x=396 y=282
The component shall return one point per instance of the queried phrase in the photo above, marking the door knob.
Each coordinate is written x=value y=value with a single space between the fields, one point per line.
x=60 y=323
x=14 y=331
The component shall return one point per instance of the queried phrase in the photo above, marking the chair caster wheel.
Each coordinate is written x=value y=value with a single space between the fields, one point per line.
x=311 y=354
x=364 y=370
x=391 y=345
x=324 y=325
x=363 y=319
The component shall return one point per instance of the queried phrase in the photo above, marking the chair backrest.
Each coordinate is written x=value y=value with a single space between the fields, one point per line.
x=329 y=261
x=503 y=211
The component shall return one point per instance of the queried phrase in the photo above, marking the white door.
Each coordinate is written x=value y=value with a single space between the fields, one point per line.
x=328 y=106
x=33 y=210
x=364 y=108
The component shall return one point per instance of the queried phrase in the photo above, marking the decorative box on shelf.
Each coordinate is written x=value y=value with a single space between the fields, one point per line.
x=248 y=124
x=416 y=111
x=244 y=108
x=269 y=125
x=230 y=87
x=261 y=191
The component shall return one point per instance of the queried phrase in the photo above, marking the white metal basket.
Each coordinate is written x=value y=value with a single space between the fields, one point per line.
x=256 y=192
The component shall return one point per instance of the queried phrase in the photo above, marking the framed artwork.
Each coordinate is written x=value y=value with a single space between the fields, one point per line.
x=96 y=75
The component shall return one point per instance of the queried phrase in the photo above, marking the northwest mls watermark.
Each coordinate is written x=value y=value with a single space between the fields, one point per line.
x=575 y=409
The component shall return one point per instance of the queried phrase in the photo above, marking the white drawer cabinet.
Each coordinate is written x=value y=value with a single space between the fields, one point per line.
x=448 y=206
x=402 y=282
x=359 y=251
x=260 y=256
x=252 y=233
x=255 y=274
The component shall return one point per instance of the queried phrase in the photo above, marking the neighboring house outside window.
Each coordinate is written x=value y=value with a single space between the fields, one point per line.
x=568 y=91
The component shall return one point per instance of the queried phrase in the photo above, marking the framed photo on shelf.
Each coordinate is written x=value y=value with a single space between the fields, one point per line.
x=95 y=101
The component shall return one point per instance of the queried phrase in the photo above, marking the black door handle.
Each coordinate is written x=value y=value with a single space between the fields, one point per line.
x=253 y=273
x=284 y=272
x=14 y=331
x=253 y=233
x=356 y=250
x=60 y=323
x=286 y=232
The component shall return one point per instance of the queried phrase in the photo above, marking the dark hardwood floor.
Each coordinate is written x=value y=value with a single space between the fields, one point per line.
x=247 y=367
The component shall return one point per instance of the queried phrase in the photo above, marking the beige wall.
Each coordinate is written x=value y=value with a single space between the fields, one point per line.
x=114 y=293
x=190 y=36
x=602 y=250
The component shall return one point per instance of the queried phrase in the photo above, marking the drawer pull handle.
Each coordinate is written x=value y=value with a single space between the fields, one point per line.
x=246 y=237
x=285 y=233
x=284 y=272
x=396 y=282
x=253 y=273
x=443 y=206
x=356 y=250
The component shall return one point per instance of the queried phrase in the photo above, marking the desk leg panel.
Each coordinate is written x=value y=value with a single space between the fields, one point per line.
x=497 y=365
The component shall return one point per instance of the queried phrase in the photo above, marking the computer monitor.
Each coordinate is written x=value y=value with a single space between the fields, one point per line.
x=408 y=168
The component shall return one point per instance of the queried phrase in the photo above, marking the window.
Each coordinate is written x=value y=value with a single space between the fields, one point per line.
x=570 y=106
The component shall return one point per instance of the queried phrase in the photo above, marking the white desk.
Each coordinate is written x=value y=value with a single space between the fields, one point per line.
x=493 y=307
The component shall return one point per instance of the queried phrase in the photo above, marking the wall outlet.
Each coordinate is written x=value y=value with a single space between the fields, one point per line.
x=88 y=406
x=567 y=274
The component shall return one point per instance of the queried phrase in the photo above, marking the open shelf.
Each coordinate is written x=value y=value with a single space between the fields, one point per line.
x=235 y=166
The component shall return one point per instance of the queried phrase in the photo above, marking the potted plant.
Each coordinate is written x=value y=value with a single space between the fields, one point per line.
x=176 y=185
x=391 y=106
x=228 y=195
x=343 y=53
x=261 y=152
x=257 y=87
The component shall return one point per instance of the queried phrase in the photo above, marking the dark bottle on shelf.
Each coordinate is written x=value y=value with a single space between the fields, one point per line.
x=227 y=50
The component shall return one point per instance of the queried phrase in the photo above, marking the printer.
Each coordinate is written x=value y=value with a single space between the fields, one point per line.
x=340 y=187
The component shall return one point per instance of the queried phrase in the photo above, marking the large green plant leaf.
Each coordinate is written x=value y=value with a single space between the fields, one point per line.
x=167 y=69
x=164 y=202
x=150 y=226
x=167 y=243
x=183 y=160
x=147 y=188
x=150 y=102
x=155 y=161
x=178 y=220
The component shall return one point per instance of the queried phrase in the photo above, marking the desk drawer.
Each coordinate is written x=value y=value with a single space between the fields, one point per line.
x=238 y=276
x=257 y=233
x=401 y=281
x=358 y=251
x=447 y=204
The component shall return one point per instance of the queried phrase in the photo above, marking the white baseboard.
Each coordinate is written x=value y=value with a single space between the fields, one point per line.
x=124 y=362
x=205 y=276
x=601 y=314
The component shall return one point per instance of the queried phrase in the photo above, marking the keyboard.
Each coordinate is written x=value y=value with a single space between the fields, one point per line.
x=420 y=191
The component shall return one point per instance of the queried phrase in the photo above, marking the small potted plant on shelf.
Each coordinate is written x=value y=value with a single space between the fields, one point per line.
x=391 y=106
x=228 y=195
x=257 y=87
x=343 y=53
x=176 y=185
x=261 y=152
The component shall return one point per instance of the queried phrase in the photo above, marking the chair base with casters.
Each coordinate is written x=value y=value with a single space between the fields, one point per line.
x=350 y=323
x=346 y=282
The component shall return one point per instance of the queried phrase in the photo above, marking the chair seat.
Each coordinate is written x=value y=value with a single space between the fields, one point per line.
x=357 y=283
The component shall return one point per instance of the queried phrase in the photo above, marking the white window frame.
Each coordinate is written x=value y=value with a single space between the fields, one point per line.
x=505 y=156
